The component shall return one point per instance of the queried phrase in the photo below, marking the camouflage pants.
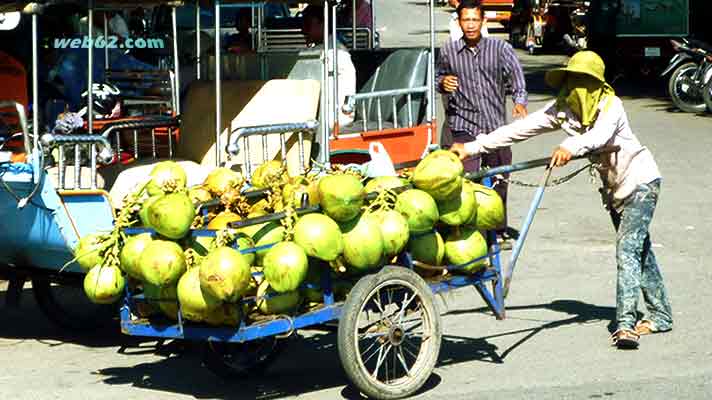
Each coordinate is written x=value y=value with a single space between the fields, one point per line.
x=637 y=269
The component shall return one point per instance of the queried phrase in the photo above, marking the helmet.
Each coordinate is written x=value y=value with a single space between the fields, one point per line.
x=106 y=98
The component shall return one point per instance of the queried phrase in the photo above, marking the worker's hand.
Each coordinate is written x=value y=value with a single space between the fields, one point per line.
x=450 y=83
x=519 y=111
x=459 y=150
x=560 y=157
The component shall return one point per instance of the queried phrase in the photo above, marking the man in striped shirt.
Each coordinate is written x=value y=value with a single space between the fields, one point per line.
x=473 y=71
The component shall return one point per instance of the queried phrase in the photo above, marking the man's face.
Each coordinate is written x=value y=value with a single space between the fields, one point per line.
x=313 y=29
x=454 y=3
x=471 y=23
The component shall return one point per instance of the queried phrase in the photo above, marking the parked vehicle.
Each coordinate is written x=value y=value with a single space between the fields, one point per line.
x=691 y=70
x=537 y=24
x=633 y=36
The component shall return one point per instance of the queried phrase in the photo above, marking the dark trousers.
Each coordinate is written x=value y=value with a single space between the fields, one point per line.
x=488 y=160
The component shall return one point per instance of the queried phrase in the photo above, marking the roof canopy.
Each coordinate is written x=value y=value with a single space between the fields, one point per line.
x=28 y=6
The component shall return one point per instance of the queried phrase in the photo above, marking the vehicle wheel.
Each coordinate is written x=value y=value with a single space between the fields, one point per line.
x=707 y=95
x=389 y=334
x=685 y=93
x=67 y=306
x=239 y=360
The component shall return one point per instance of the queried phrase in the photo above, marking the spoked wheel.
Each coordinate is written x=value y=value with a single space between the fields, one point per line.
x=66 y=305
x=685 y=91
x=389 y=334
x=236 y=360
x=707 y=95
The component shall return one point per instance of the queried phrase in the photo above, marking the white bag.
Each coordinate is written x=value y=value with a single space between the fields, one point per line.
x=380 y=164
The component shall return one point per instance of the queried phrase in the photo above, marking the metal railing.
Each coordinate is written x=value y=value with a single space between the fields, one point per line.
x=283 y=39
x=395 y=95
x=244 y=133
x=104 y=156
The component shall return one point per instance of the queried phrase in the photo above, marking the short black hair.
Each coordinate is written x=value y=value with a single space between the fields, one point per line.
x=465 y=4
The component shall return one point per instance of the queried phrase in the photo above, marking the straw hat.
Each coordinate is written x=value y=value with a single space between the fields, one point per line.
x=583 y=62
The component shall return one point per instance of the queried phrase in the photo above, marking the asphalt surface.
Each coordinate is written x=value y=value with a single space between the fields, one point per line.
x=554 y=342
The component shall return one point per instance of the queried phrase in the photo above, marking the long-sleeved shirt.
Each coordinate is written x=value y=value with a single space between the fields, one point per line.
x=621 y=172
x=478 y=105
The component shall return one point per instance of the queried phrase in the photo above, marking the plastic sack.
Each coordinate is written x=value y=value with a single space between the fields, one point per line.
x=380 y=164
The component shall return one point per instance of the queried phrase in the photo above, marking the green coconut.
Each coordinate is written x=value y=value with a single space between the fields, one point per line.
x=285 y=266
x=439 y=174
x=162 y=263
x=464 y=245
x=166 y=177
x=221 y=220
x=195 y=303
x=427 y=248
x=341 y=196
x=319 y=236
x=419 y=209
x=222 y=179
x=87 y=251
x=172 y=215
x=394 y=230
x=201 y=244
x=458 y=210
x=297 y=187
x=270 y=233
x=143 y=213
x=199 y=194
x=224 y=314
x=363 y=243
x=225 y=274
x=270 y=302
x=381 y=183
x=167 y=301
x=104 y=285
x=267 y=174
x=131 y=252
x=490 y=209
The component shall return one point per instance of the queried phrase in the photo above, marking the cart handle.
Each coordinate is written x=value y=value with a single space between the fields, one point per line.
x=540 y=162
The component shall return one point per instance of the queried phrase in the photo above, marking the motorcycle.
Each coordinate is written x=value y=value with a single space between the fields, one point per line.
x=691 y=70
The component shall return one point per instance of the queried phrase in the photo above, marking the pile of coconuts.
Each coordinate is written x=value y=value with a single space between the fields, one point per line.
x=190 y=255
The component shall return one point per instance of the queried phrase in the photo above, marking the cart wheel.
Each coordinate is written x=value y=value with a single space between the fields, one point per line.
x=67 y=306
x=389 y=334
x=237 y=360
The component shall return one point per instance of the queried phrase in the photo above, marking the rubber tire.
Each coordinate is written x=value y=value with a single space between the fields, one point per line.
x=672 y=83
x=347 y=330
x=63 y=317
x=707 y=95
x=213 y=359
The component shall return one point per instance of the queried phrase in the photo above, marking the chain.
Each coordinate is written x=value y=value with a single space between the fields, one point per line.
x=591 y=167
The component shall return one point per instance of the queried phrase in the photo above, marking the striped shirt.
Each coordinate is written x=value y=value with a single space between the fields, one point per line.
x=478 y=104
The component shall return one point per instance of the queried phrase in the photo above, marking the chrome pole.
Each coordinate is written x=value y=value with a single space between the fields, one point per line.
x=90 y=63
x=106 y=47
x=176 y=62
x=218 y=92
x=372 y=34
x=353 y=24
x=35 y=88
x=197 y=39
x=431 y=64
x=324 y=153
x=335 y=63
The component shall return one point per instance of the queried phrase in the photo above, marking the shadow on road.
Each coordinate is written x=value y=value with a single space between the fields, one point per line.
x=581 y=313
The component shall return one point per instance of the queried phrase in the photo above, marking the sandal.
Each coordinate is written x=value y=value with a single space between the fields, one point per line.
x=647 y=327
x=625 y=339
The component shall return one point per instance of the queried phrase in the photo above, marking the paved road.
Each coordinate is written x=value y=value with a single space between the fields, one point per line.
x=553 y=345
